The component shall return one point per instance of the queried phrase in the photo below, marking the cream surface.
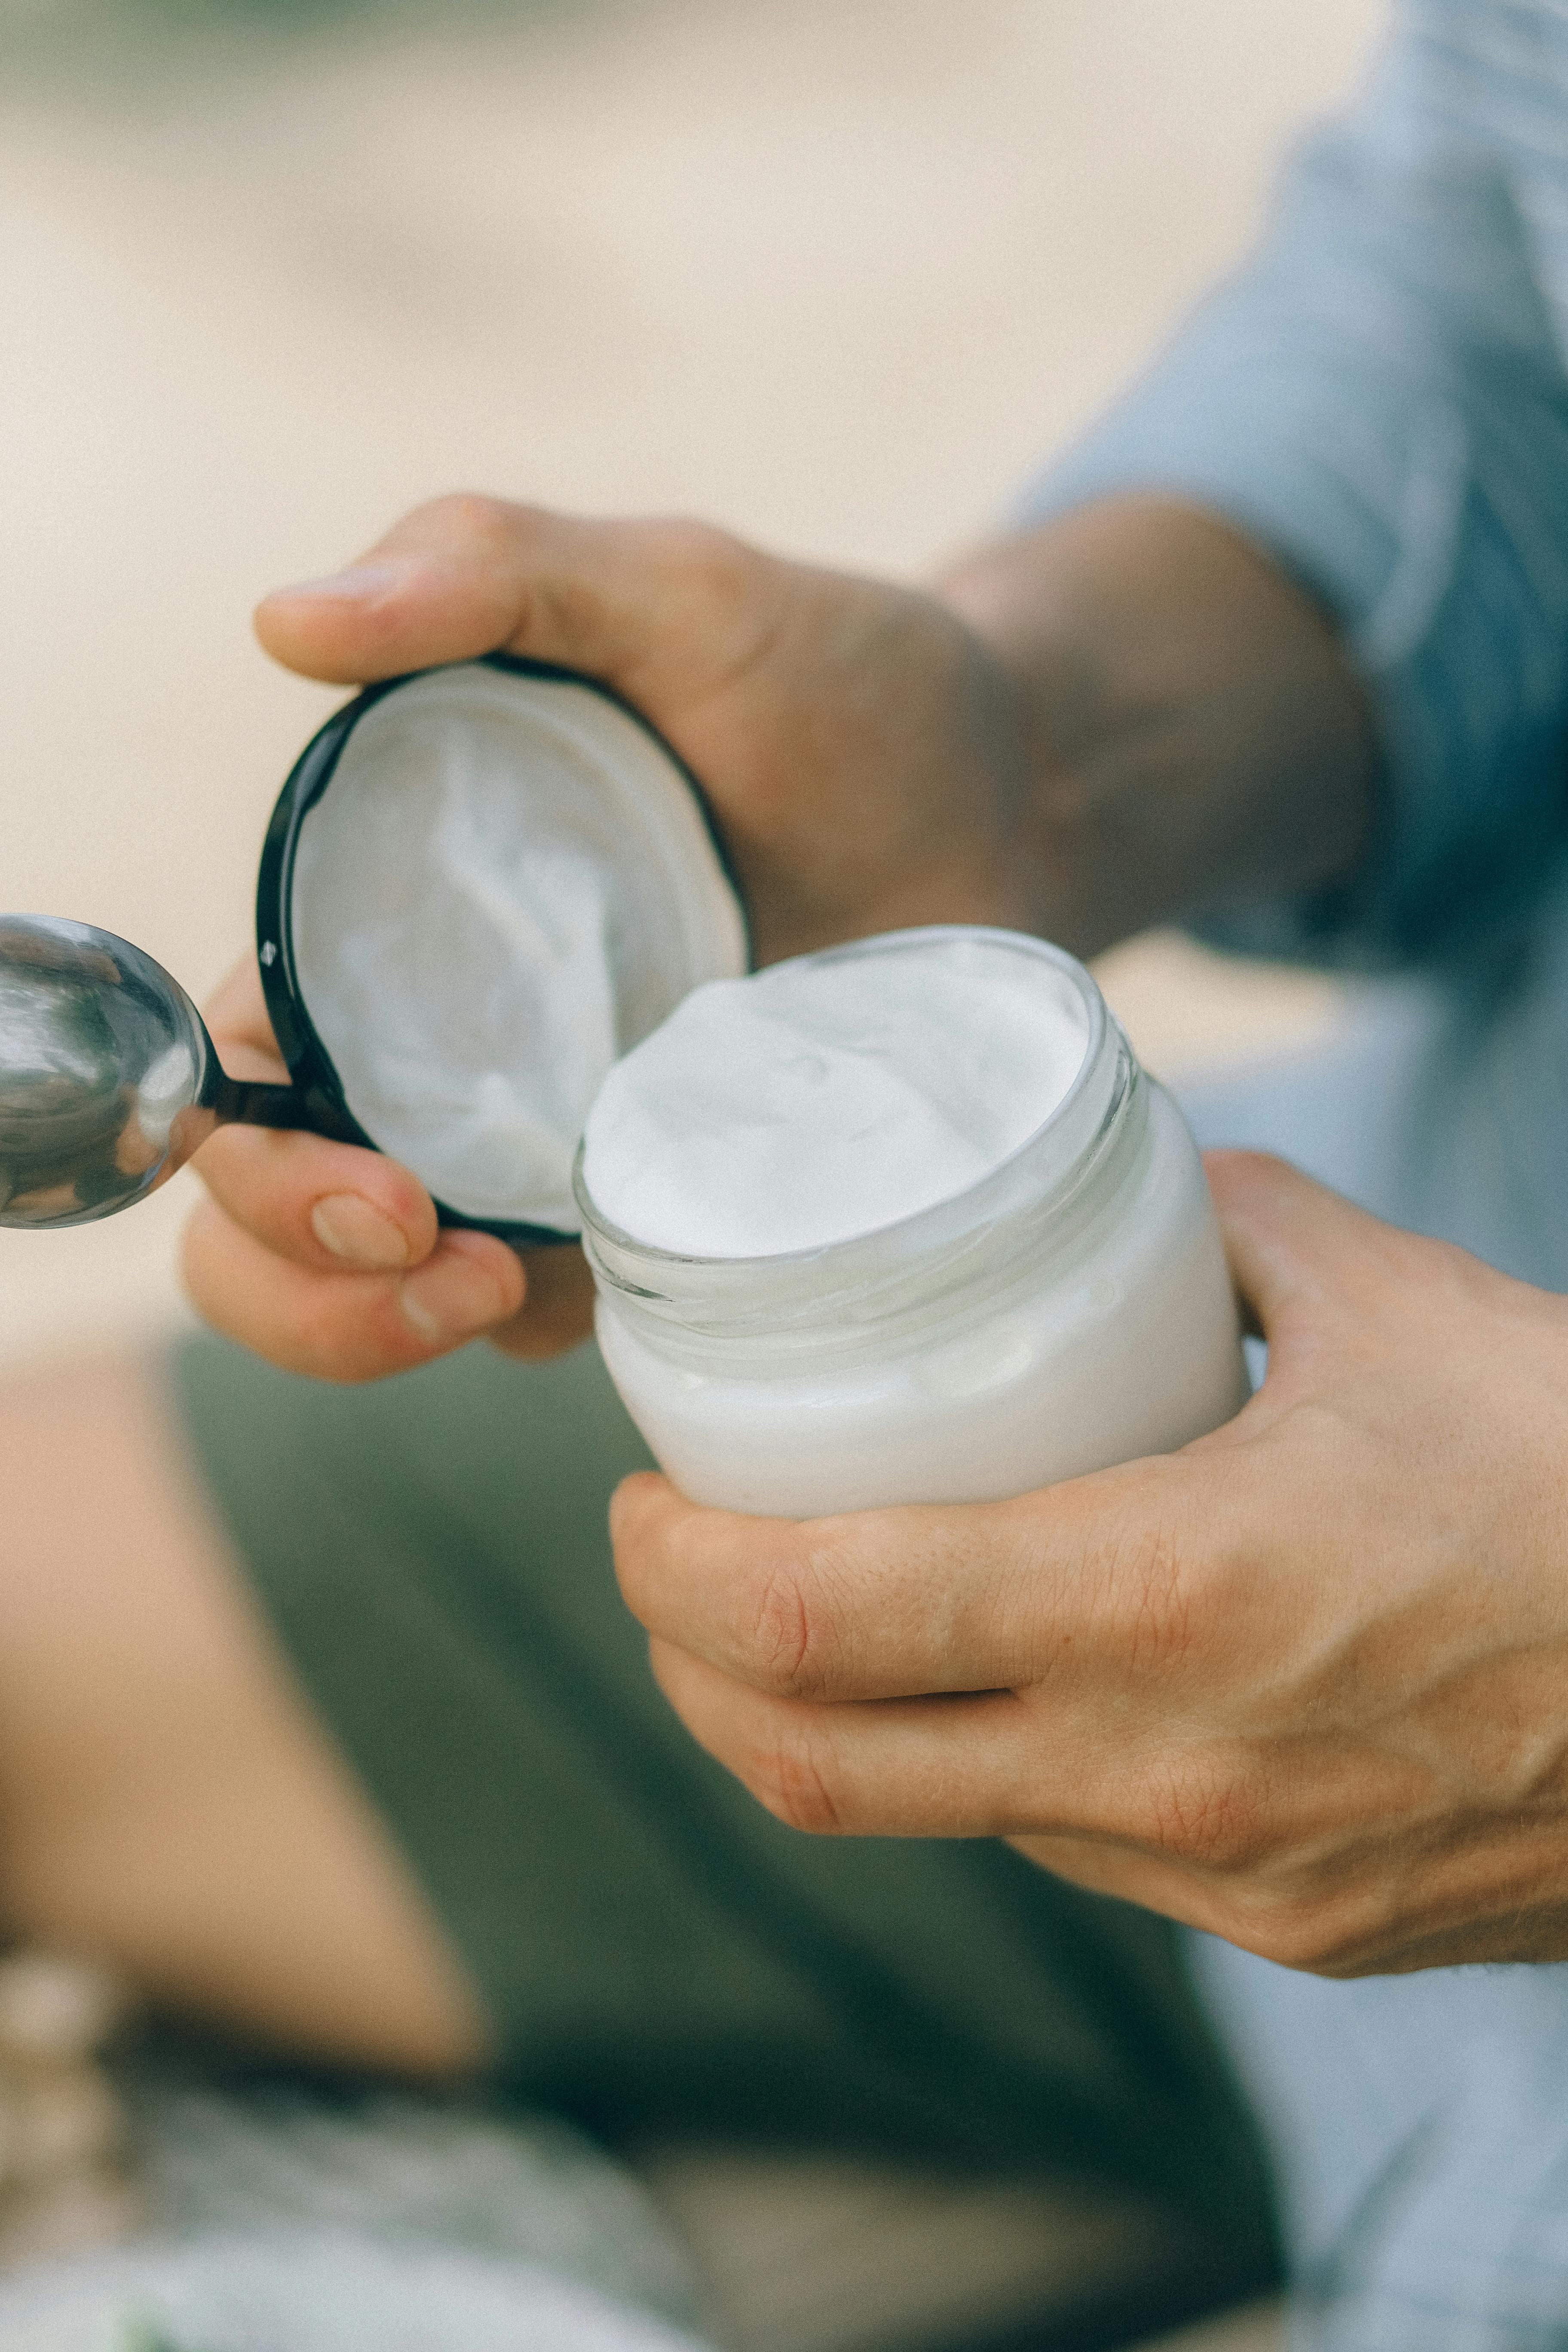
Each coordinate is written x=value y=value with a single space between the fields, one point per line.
x=828 y=1097
x=506 y=884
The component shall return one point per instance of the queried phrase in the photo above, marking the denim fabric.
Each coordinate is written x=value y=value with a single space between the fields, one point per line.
x=1419 y=2125
x=1379 y=397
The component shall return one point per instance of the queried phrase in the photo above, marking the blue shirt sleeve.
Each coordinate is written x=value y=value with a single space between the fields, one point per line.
x=1379 y=399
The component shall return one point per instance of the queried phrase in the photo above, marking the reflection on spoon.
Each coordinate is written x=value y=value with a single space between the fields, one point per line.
x=108 y=1080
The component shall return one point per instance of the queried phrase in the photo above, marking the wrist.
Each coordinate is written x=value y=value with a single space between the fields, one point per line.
x=1193 y=731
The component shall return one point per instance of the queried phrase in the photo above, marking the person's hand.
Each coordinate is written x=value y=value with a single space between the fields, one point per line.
x=857 y=742
x=327 y=1259
x=1100 y=723
x=1301 y=1683
x=859 y=746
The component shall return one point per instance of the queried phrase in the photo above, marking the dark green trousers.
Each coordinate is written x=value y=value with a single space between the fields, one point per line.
x=660 y=1954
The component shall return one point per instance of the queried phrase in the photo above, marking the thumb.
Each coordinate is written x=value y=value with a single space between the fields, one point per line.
x=469 y=575
x=1300 y=1255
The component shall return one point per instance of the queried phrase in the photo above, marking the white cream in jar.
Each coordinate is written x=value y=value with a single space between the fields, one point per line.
x=902 y=1223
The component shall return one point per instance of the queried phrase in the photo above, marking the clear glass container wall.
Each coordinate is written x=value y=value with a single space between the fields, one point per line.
x=1071 y=1310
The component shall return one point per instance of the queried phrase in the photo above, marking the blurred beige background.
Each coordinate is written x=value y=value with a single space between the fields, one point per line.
x=837 y=275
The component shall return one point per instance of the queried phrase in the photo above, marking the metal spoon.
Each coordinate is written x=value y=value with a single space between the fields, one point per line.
x=108 y=1080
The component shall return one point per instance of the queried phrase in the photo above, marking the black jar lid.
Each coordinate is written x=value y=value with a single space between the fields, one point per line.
x=480 y=885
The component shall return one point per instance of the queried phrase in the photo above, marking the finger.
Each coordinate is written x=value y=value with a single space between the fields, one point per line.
x=1185 y=1831
x=1296 y=1250
x=1101 y=1865
x=905 y=1768
x=343 y=1326
x=1080 y=1799
x=464 y=576
x=558 y=1309
x=324 y=1205
x=1079 y=1581
x=236 y=1016
x=876 y=1604
x=328 y=1206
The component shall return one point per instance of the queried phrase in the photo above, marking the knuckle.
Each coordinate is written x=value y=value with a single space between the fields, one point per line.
x=779 y=1634
x=1204 y=1815
x=1154 y=1594
x=713 y=561
x=791 y=1773
x=1302 y=1942
x=1295 y=1931
x=793 y=1638
x=469 y=519
x=1246 y=1164
x=645 y=1559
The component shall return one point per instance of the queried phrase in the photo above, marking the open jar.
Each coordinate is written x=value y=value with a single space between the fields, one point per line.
x=1071 y=1310
x=484 y=886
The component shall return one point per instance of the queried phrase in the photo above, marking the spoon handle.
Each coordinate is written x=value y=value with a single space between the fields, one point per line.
x=239 y=1101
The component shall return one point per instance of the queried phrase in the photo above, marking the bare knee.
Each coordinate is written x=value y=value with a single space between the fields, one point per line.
x=167 y=1797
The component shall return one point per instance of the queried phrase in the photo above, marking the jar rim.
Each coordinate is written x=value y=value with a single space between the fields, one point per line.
x=1078 y=1121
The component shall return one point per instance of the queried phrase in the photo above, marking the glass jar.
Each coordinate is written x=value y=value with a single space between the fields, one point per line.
x=1071 y=1310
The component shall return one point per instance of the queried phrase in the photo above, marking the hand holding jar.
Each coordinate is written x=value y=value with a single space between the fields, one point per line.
x=1297 y=1684
x=1097 y=726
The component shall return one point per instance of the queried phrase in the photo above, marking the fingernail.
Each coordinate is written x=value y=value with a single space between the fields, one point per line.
x=450 y=1299
x=360 y=1236
x=362 y=583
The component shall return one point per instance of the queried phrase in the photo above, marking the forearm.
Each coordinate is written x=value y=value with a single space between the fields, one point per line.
x=1193 y=731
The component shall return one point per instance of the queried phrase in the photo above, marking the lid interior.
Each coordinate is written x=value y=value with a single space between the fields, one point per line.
x=507 y=884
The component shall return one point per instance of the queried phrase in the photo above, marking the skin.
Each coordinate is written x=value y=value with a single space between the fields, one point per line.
x=1124 y=716
x=876 y=757
x=864 y=758
x=1298 y=1684
x=168 y=1801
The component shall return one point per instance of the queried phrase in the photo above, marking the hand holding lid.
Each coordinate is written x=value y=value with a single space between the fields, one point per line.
x=856 y=744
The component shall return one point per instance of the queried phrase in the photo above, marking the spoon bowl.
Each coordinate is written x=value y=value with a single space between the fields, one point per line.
x=109 y=1079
